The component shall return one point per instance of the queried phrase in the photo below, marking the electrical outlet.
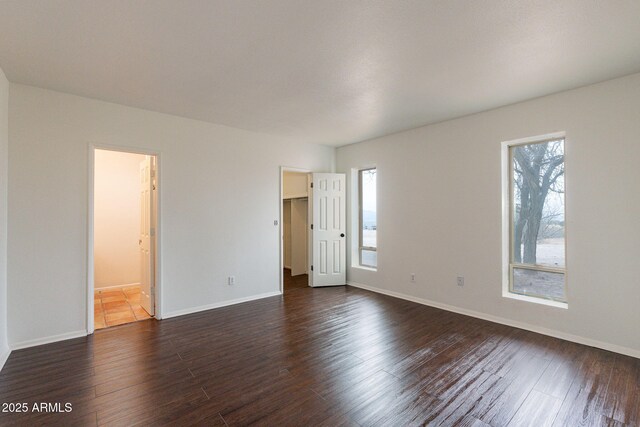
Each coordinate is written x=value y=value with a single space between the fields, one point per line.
x=231 y=280
x=460 y=281
x=413 y=277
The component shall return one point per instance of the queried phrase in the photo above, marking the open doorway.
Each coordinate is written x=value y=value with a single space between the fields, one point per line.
x=124 y=223
x=312 y=229
x=295 y=229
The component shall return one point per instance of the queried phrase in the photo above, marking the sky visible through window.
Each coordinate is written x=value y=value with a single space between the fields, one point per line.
x=369 y=214
x=369 y=190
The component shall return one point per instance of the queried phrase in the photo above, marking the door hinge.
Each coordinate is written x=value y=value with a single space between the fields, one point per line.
x=312 y=268
x=312 y=185
x=312 y=226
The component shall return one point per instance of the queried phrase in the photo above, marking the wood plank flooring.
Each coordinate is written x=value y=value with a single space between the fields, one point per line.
x=329 y=357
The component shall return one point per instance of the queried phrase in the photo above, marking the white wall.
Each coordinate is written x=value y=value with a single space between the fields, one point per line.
x=219 y=193
x=439 y=210
x=4 y=174
x=117 y=218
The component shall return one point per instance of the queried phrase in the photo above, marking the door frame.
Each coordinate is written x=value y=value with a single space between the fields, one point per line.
x=91 y=228
x=284 y=169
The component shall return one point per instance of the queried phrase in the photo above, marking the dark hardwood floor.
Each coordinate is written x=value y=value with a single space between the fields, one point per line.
x=327 y=356
x=295 y=282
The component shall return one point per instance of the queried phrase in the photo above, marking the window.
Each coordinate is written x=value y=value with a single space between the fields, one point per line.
x=536 y=219
x=368 y=244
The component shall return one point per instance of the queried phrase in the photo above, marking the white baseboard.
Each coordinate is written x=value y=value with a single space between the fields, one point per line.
x=219 y=304
x=4 y=356
x=77 y=334
x=48 y=340
x=104 y=288
x=504 y=321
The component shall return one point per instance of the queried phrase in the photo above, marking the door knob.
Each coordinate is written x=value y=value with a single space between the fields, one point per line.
x=341 y=234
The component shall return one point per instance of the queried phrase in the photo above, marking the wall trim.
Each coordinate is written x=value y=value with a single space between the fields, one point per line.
x=125 y=285
x=83 y=333
x=191 y=310
x=4 y=356
x=48 y=340
x=504 y=321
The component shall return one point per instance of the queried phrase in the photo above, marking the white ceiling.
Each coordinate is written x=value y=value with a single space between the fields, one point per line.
x=322 y=71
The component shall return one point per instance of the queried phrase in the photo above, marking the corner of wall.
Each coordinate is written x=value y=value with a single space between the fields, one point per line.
x=334 y=159
x=4 y=175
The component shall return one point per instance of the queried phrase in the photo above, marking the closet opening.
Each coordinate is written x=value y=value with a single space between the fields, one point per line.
x=295 y=229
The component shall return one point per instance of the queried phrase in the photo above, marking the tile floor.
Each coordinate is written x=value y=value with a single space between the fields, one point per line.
x=118 y=306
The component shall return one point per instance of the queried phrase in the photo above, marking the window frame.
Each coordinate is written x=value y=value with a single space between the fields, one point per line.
x=361 y=247
x=507 y=225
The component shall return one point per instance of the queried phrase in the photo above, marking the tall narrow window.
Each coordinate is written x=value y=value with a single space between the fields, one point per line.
x=536 y=219
x=368 y=218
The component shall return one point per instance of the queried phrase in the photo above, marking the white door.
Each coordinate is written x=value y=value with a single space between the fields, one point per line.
x=329 y=228
x=147 y=236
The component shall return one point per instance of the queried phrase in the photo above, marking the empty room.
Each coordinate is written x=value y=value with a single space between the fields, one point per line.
x=320 y=213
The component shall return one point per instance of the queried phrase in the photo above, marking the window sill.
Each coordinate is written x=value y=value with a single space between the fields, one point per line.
x=362 y=267
x=536 y=300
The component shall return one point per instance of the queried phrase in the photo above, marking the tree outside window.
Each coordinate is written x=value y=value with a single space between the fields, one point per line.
x=537 y=223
